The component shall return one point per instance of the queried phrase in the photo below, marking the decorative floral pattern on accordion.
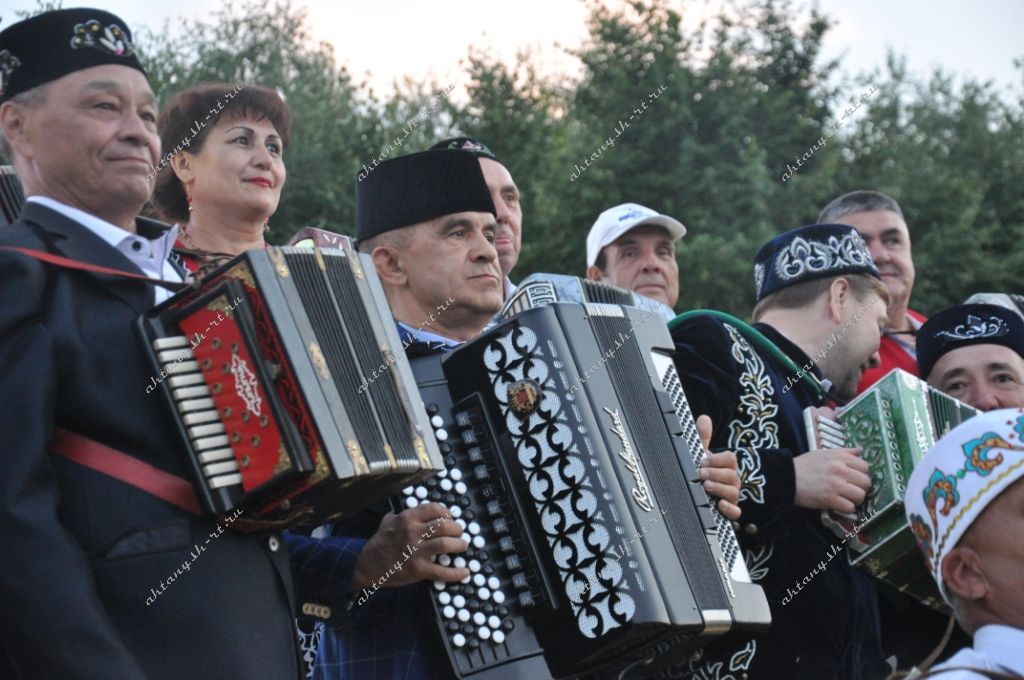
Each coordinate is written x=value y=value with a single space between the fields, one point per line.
x=559 y=484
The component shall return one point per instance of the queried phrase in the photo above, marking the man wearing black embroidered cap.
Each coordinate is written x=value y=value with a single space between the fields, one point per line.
x=820 y=312
x=95 y=512
x=975 y=353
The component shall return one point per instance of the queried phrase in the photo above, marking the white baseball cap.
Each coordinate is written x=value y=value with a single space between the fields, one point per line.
x=614 y=222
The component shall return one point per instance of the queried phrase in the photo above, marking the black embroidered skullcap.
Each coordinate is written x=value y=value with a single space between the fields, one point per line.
x=816 y=251
x=965 y=325
x=469 y=144
x=51 y=45
x=422 y=186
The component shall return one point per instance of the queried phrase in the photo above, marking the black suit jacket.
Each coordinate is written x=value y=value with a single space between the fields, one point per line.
x=81 y=551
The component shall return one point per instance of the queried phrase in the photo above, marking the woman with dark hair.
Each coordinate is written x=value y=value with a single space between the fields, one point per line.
x=226 y=171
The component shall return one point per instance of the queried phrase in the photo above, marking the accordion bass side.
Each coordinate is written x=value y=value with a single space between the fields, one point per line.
x=592 y=540
x=263 y=363
x=895 y=422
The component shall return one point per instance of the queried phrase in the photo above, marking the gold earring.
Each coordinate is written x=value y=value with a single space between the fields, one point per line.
x=188 y=195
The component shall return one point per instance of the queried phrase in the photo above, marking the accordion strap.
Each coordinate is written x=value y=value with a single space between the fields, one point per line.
x=68 y=263
x=128 y=469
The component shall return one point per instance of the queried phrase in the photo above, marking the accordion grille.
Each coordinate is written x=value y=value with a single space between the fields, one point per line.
x=628 y=373
x=322 y=308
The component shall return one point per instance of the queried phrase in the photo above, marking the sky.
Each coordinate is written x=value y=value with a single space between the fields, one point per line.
x=389 y=40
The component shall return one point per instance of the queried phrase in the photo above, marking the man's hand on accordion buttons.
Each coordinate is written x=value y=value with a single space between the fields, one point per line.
x=720 y=473
x=831 y=479
x=406 y=544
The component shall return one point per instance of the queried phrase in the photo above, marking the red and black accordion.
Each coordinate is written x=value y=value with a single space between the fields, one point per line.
x=263 y=361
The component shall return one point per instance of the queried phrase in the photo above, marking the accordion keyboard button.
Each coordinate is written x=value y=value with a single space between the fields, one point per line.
x=459 y=640
x=475 y=454
x=460 y=562
x=507 y=625
x=444 y=598
x=473 y=528
x=479 y=618
x=459 y=601
x=455 y=511
x=483 y=593
x=493 y=583
x=463 y=615
x=441 y=434
x=439 y=585
x=448 y=612
x=437 y=421
x=474 y=565
x=446 y=484
x=525 y=600
x=460 y=488
x=494 y=622
x=408 y=490
x=445 y=561
x=498 y=637
x=462 y=419
x=484 y=633
x=478 y=542
x=479 y=580
x=411 y=502
x=421 y=492
x=456 y=474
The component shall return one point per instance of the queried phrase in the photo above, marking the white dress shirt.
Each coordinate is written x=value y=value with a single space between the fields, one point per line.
x=996 y=648
x=149 y=255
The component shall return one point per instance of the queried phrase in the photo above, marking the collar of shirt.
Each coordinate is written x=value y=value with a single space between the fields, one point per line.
x=424 y=337
x=150 y=255
x=903 y=344
x=798 y=356
x=1001 y=646
x=509 y=288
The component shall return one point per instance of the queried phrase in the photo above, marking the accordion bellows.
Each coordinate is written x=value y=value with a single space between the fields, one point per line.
x=263 y=364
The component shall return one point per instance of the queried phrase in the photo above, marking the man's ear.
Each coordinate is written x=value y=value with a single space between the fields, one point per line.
x=839 y=295
x=14 y=123
x=594 y=274
x=961 y=572
x=390 y=264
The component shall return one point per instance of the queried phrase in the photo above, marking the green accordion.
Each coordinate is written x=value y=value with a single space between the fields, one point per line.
x=895 y=422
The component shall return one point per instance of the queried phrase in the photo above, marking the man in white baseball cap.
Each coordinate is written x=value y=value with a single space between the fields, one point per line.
x=965 y=504
x=633 y=247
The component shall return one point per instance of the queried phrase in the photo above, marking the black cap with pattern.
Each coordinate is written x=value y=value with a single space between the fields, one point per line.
x=51 y=45
x=469 y=144
x=965 y=325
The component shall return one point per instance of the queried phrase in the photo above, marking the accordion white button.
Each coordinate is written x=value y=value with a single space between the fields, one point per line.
x=459 y=640
x=445 y=560
x=473 y=528
x=170 y=341
x=181 y=380
x=460 y=562
x=498 y=637
x=483 y=593
x=484 y=633
x=442 y=435
x=460 y=488
x=456 y=511
x=421 y=492
x=445 y=598
x=224 y=480
x=442 y=473
x=220 y=468
x=449 y=612
x=464 y=615
x=456 y=474
x=211 y=442
x=474 y=565
x=408 y=490
x=493 y=583
x=467 y=538
x=411 y=502
x=446 y=485
x=437 y=421
x=494 y=622
x=465 y=580
x=478 y=542
x=217 y=454
x=498 y=597
x=438 y=585
x=479 y=618
x=462 y=523
x=479 y=580
x=459 y=601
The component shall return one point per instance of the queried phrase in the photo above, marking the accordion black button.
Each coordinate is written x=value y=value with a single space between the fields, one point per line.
x=468 y=437
x=434 y=495
x=480 y=472
x=473 y=643
x=462 y=419
x=464 y=501
x=488 y=569
x=493 y=508
x=518 y=580
x=508 y=624
x=469 y=515
x=483 y=557
x=503 y=613
x=475 y=454
x=525 y=599
x=500 y=526
x=444 y=447
x=430 y=482
x=432 y=409
x=449 y=462
x=451 y=626
x=449 y=498
x=488 y=608
x=505 y=543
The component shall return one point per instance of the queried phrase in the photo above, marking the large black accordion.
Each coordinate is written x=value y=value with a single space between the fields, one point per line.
x=264 y=363
x=570 y=462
